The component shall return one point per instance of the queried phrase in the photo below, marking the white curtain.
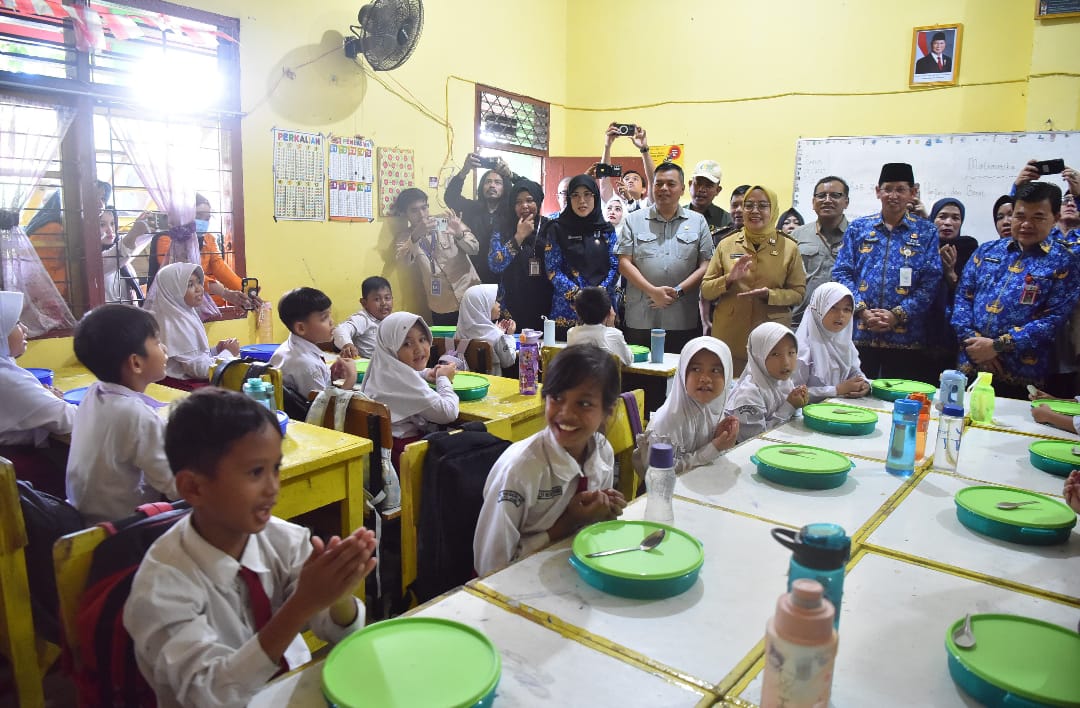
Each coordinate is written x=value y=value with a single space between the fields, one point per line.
x=164 y=155
x=30 y=134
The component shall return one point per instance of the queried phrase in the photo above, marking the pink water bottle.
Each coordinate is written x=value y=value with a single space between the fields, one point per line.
x=529 y=362
x=800 y=649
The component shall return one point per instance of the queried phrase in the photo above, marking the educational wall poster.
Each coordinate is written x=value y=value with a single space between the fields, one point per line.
x=299 y=176
x=352 y=177
x=666 y=153
x=396 y=172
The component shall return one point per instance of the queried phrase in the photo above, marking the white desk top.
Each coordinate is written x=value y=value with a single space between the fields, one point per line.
x=704 y=632
x=892 y=632
x=924 y=525
x=732 y=482
x=875 y=445
x=1014 y=416
x=1002 y=458
x=539 y=666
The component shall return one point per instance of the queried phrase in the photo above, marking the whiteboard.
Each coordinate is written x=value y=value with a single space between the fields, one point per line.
x=976 y=168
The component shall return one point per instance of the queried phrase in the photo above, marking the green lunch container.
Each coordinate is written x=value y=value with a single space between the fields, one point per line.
x=469 y=387
x=1046 y=522
x=802 y=466
x=665 y=571
x=640 y=353
x=893 y=389
x=1054 y=456
x=443 y=330
x=838 y=419
x=1064 y=407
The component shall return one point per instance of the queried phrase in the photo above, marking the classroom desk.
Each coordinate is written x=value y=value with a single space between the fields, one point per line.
x=539 y=666
x=1014 y=416
x=640 y=374
x=79 y=377
x=993 y=457
x=525 y=413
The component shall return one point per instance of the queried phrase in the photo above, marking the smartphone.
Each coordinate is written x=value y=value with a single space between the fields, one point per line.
x=250 y=286
x=442 y=224
x=158 y=221
x=1050 y=167
x=1032 y=390
x=605 y=170
x=488 y=163
x=626 y=128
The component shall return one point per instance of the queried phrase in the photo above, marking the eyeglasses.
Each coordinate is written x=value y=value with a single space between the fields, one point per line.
x=756 y=206
x=835 y=196
x=563 y=192
x=1068 y=201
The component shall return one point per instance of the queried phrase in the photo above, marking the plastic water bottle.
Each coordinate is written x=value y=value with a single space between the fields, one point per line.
x=656 y=346
x=660 y=484
x=901 y=458
x=549 y=332
x=528 y=362
x=261 y=391
x=800 y=649
x=264 y=324
x=818 y=552
x=923 y=427
x=950 y=430
x=982 y=398
x=951 y=389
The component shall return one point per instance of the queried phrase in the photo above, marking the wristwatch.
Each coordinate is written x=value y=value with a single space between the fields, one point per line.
x=678 y=292
x=999 y=345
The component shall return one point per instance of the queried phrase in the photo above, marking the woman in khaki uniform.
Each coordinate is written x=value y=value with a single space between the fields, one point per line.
x=755 y=276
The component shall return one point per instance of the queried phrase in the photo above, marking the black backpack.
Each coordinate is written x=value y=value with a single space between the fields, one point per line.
x=46 y=518
x=455 y=470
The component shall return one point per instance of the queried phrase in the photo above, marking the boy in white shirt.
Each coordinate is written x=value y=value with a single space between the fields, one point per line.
x=218 y=603
x=593 y=306
x=306 y=314
x=117 y=458
x=355 y=337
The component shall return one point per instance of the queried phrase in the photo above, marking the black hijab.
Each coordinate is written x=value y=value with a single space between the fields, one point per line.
x=537 y=192
x=583 y=239
x=582 y=225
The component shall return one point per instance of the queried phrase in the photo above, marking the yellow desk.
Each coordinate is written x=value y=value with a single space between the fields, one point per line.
x=79 y=377
x=524 y=413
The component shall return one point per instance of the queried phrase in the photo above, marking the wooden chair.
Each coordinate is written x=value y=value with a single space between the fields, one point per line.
x=411 y=475
x=72 y=556
x=236 y=373
x=478 y=354
x=622 y=442
x=27 y=654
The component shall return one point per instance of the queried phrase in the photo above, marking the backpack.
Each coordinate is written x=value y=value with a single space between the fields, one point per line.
x=108 y=674
x=455 y=470
x=46 y=518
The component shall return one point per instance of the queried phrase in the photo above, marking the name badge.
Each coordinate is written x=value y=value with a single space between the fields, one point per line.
x=905 y=277
x=436 y=286
x=534 y=266
x=1029 y=292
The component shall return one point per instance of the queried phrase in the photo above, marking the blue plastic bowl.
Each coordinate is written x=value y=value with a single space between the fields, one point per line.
x=801 y=480
x=983 y=691
x=283 y=421
x=45 y=376
x=75 y=395
x=1009 y=532
x=832 y=427
x=259 y=352
x=635 y=588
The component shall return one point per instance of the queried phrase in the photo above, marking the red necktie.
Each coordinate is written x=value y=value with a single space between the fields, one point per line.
x=940 y=64
x=260 y=605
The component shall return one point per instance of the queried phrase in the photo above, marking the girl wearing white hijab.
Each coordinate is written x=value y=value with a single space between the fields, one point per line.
x=173 y=302
x=828 y=360
x=692 y=418
x=765 y=396
x=29 y=412
x=397 y=377
x=476 y=313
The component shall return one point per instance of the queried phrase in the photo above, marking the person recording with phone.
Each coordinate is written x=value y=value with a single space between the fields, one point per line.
x=1067 y=228
x=490 y=212
x=630 y=185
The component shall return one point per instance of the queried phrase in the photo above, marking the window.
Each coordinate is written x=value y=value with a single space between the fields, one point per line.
x=126 y=72
x=507 y=121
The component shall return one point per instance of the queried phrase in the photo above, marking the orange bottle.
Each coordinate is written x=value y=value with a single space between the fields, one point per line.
x=923 y=425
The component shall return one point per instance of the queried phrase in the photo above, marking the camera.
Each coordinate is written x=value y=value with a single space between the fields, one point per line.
x=1050 y=167
x=488 y=163
x=625 y=128
x=605 y=170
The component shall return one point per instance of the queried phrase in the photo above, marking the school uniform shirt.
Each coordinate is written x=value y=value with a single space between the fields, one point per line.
x=474 y=322
x=758 y=400
x=117 y=460
x=442 y=260
x=179 y=326
x=1020 y=297
x=359 y=330
x=528 y=489
x=826 y=358
x=897 y=270
x=303 y=368
x=608 y=338
x=190 y=617
x=818 y=248
x=666 y=252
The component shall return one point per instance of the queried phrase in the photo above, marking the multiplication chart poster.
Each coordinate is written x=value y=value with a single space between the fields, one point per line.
x=352 y=177
x=299 y=176
x=395 y=174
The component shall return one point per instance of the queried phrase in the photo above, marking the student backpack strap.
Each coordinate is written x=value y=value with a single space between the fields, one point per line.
x=221 y=368
x=632 y=412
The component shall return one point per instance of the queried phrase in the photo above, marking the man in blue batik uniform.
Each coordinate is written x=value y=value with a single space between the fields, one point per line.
x=1014 y=294
x=890 y=262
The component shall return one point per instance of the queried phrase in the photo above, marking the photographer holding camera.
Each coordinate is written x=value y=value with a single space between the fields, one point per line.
x=491 y=211
x=630 y=185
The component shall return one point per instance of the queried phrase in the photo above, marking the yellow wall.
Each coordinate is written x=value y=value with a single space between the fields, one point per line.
x=723 y=72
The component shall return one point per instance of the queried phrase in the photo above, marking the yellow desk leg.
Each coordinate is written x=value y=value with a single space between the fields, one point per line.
x=352 y=506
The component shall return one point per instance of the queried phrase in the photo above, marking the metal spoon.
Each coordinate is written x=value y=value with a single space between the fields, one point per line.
x=1076 y=450
x=1014 y=505
x=962 y=635
x=844 y=411
x=647 y=544
x=888 y=384
x=800 y=453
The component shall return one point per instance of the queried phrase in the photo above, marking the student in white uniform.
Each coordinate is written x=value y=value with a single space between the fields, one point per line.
x=765 y=397
x=29 y=412
x=692 y=419
x=178 y=293
x=593 y=306
x=828 y=360
x=477 y=320
x=117 y=459
x=355 y=337
x=217 y=605
x=549 y=485
x=305 y=312
x=398 y=377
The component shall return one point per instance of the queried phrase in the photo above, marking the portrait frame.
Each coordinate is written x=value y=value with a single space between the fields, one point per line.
x=921 y=69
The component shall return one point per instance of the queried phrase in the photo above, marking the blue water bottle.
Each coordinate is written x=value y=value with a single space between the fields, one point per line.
x=656 y=346
x=951 y=390
x=903 y=440
x=261 y=391
x=818 y=552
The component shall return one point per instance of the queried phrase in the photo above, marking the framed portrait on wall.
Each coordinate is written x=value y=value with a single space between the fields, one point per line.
x=935 y=55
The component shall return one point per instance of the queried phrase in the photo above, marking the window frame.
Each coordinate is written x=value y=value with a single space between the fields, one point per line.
x=497 y=144
x=86 y=287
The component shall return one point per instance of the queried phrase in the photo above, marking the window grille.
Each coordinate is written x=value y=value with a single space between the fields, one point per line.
x=509 y=121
